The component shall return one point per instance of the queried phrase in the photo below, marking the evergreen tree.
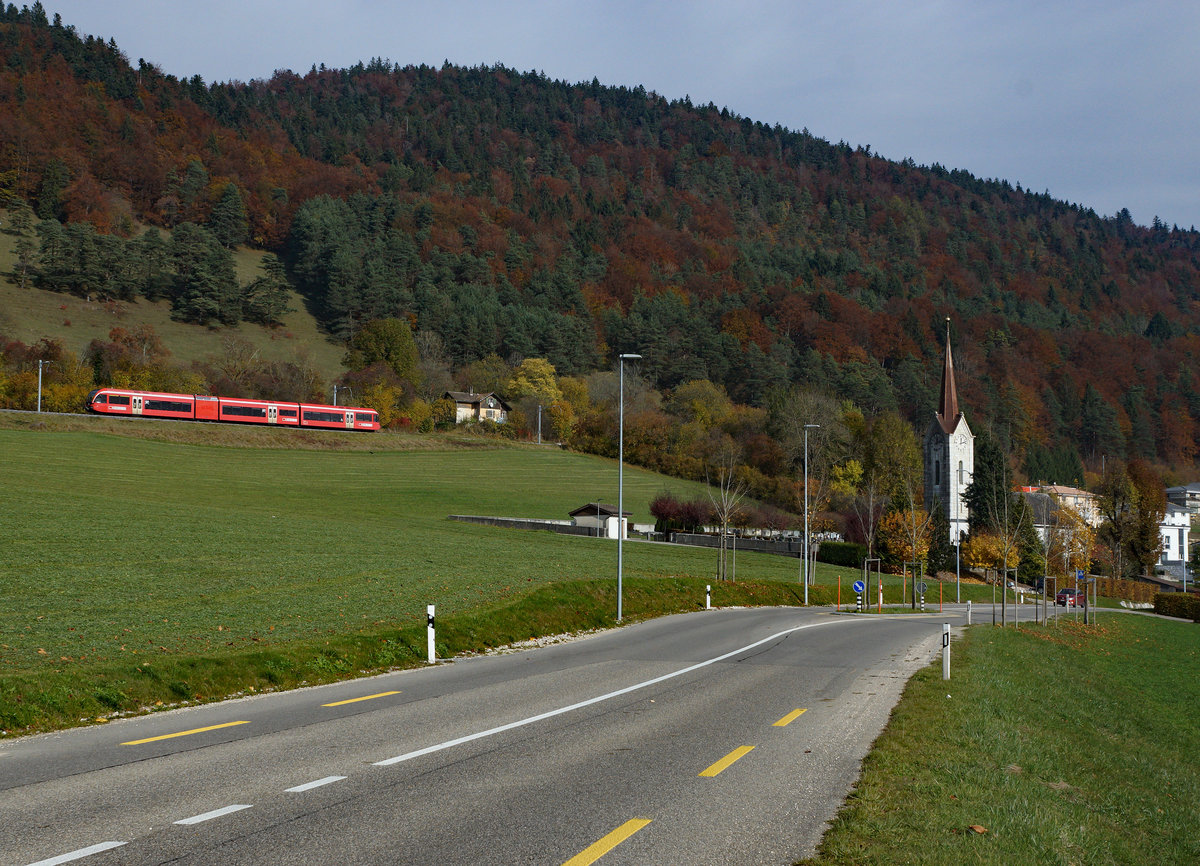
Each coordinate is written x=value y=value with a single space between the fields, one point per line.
x=266 y=298
x=24 y=247
x=228 y=219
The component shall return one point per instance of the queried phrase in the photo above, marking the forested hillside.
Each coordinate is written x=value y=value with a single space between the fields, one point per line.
x=501 y=212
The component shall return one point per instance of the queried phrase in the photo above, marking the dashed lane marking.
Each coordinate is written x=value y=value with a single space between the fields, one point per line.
x=215 y=813
x=183 y=733
x=598 y=849
x=724 y=764
x=356 y=700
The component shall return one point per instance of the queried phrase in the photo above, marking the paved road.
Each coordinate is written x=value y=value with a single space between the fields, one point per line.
x=672 y=741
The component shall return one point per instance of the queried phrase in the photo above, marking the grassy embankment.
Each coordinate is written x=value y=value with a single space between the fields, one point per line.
x=1065 y=744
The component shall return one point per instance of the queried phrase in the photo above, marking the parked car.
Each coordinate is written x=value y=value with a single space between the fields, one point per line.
x=1069 y=597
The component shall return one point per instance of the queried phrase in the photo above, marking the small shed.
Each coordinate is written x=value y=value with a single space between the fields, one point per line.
x=601 y=517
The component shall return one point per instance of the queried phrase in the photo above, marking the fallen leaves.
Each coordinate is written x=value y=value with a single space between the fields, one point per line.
x=977 y=828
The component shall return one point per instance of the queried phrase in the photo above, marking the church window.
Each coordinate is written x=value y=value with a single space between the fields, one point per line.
x=960 y=473
x=937 y=473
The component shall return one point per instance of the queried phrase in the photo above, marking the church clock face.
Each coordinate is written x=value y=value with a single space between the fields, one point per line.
x=961 y=439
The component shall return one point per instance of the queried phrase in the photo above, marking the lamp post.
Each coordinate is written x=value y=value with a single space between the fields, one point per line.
x=621 y=473
x=807 y=427
x=41 y=363
x=342 y=387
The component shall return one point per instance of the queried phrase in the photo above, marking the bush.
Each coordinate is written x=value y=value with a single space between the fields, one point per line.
x=843 y=553
x=1182 y=605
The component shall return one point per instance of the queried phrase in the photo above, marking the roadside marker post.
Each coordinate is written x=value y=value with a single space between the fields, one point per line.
x=708 y=596
x=839 y=598
x=430 y=632
x=945 y=650
x=859 y=586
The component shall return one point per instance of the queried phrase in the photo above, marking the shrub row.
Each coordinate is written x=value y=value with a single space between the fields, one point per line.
x=842 y=553
x=1183 y=605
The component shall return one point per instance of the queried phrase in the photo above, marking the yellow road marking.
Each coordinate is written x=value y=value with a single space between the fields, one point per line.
x=789 y=718
x=183 y=733
x=723 y=764
x=596 y=850
x=356 y=700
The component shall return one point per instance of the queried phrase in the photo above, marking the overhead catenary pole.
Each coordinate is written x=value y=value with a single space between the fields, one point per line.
x=621 y=474
x=41 y=363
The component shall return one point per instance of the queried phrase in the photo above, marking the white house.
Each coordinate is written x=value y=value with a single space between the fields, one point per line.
x=1174 y=529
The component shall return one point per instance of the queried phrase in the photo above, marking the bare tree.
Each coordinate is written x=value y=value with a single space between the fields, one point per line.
x=726 y=498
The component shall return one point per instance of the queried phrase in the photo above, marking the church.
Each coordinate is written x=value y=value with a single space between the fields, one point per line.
x=949 y=453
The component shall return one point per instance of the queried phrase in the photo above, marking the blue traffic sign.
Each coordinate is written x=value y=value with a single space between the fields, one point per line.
x=859 y=586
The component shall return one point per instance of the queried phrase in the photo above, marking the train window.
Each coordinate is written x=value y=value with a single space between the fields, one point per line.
x=287 y=413
x=100 y=398
x=334 y=417
x=118 y=400
x=244 y=411
x=168 y=406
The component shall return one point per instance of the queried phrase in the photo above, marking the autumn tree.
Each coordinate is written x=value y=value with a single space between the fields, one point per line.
x=534 y=377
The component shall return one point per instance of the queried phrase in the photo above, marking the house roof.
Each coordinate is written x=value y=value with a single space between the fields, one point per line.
x=1042 y=506
x=1064 y=490
x=472 y=399
x=596 y=509
x=1194 y=487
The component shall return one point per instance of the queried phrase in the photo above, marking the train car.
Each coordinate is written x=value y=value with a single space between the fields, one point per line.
x=150 y=404
x=241 y=411
x=338 y=417
x=197 y=407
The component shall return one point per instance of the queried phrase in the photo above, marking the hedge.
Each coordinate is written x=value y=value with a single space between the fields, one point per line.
x=842 y=553
x=1183 y=605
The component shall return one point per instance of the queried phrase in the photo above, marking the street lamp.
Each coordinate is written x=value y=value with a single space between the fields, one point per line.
x=807 y=427
x=40 y=364
x=342 y=387
x=621 y=473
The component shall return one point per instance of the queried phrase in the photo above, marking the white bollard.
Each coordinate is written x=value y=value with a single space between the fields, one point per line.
x=429 y=632
x=708 y=597
x=945 y=650
x=968 y=613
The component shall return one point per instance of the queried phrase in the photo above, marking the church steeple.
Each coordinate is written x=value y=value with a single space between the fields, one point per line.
x=947 y=414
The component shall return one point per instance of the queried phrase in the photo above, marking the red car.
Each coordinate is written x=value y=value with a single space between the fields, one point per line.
x=1070 y=597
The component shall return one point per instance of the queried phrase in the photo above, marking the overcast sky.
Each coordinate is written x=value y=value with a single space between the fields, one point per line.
x=1097 y=101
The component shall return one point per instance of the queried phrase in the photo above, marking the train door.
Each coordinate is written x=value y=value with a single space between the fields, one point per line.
x=272 y=414
x=350 y=420
x=137 y=405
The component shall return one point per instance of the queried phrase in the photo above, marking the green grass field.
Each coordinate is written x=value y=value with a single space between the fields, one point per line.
x=1063 y=744
x=124 y=554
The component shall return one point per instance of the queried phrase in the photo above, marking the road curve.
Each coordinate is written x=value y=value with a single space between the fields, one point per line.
x=725 y=736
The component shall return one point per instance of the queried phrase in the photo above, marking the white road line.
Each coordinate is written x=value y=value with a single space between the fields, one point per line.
x=76 y=855
x=408 y=756
x=215 y=813
x=308 y=786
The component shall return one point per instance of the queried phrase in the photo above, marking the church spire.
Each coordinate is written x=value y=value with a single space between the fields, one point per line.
x=948 y=413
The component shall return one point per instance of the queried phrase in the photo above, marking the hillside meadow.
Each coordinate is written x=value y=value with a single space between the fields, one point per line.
x=32 y=314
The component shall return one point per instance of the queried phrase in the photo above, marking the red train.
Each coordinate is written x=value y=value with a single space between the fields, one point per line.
x=194 y=407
